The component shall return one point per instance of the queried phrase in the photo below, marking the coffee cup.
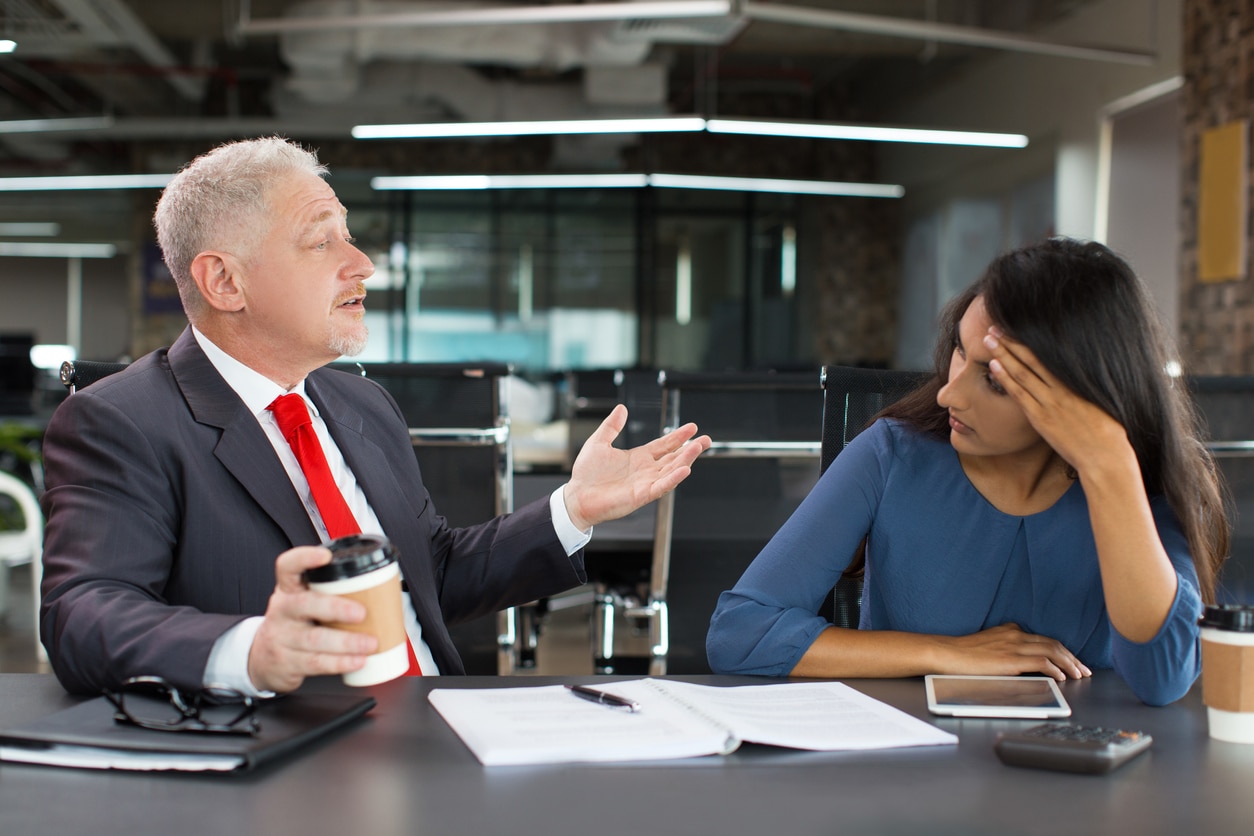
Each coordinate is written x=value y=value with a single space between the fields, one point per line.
x=363 y=567
x=1228 y=672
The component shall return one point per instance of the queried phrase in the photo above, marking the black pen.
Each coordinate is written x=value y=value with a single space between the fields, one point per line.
x=593 y=695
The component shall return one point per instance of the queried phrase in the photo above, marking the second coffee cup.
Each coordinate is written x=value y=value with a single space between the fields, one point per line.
x=363 y=567
x=1228 y=672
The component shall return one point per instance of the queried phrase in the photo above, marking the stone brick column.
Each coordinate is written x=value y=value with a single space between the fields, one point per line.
x=1216 y=319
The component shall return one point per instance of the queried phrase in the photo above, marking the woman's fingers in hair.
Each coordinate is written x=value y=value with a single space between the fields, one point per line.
x=1014 y=358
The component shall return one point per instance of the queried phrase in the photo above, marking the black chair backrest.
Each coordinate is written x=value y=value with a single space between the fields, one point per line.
x=641 y=392
x=456 y=414
x=852 y=397
x=589 y=395
x=1227 y=407
x=763 y=462
x=77 y=374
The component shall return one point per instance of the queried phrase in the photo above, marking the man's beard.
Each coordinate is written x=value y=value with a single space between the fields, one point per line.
x=350 y=344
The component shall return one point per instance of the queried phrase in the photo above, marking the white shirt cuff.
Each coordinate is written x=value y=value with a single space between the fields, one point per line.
x=228 y=661
x=571 y=538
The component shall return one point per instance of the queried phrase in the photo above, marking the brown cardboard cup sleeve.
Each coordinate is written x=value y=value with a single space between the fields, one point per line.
x=363 y=567
x=1228 y=672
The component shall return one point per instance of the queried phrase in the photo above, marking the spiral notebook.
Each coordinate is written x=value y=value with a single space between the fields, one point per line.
x=548 y=724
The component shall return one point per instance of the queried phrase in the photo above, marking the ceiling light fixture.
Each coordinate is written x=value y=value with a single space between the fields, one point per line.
x=53 y=249
x=80 y=182
x=754 y=127
x=33 y=229
x=760 y=184
x=868 y=133
x=42 y=126
x=501 y=15
x=480 y=182
x=7 y=45
x=439 y=130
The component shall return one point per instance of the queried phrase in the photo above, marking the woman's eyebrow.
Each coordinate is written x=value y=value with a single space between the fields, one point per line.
x=963 y=348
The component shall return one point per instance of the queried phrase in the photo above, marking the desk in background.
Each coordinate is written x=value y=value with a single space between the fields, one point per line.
x=403 y=770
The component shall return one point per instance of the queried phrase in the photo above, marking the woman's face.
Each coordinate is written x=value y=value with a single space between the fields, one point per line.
x=983 y=419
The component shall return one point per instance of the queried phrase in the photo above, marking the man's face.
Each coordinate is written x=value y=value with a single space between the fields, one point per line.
x=304 y=285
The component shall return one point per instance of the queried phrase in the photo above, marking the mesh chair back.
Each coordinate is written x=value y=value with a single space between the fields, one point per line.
x=1227 y=406
x=589 y=396
x=458 y=424
x=852 y=397
x=77 y=374
x=763 y=462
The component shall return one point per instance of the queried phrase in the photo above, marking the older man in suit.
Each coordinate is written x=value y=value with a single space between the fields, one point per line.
x=171 y=489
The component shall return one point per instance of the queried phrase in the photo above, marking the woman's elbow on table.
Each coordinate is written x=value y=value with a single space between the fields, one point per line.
x=748 y=637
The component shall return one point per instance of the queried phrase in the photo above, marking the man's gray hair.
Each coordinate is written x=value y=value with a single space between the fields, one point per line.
x=219 y=201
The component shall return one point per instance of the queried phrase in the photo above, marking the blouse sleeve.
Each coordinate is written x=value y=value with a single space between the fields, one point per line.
x=765 y=624
x=1163 y=669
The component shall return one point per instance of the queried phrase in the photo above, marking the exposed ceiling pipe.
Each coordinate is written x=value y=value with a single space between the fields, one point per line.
x=112 y=16
x=939 y=32
x=926 y=30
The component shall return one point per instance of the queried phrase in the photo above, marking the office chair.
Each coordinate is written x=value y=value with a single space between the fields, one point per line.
x=1227 y=407
x=77 y=374
x=852 y=397
x=22 y=546
x=459 y=426
x=618 y=560
x=764 y=460
x=589 y=395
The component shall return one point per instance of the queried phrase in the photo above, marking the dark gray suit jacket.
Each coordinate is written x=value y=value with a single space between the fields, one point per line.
x=166 y=507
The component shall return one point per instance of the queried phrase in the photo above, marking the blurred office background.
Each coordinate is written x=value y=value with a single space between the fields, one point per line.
x=792 y=253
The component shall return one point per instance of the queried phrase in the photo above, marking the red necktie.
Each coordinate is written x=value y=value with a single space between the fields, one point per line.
x=294 y=422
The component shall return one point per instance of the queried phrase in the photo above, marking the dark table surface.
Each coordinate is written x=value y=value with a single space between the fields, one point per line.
x=402 y=770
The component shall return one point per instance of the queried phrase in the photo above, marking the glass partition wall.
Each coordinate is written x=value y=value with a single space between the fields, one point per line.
x=581 y=279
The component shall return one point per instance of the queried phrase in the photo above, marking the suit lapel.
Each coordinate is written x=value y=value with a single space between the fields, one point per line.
x=370 y=464
x=398 y=502
x=243 y=448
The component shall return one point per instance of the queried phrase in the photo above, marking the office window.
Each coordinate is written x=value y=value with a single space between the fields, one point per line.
x=578 y=279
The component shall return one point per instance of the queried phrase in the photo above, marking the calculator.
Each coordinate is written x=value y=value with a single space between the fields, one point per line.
x=1071 y=748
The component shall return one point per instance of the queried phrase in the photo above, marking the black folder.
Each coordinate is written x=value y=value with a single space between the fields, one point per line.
x=87 y=736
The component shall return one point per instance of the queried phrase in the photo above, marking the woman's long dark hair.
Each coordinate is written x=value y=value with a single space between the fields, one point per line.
x=1087 y=317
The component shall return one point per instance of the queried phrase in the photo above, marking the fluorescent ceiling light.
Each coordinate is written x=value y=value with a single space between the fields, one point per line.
x=758 y=184
x=754 y=127
x=435 y=130
x=34 y=126
x=52 y=249
x=7 y=45
x=870 y=133
x=559 y=13
x=478 y=182
x=94 y=181
x=32 y=229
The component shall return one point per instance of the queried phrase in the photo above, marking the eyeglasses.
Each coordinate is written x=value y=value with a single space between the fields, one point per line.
x=152 y=703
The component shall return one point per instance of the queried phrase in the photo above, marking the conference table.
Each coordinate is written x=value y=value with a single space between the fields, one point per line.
x=402 y=770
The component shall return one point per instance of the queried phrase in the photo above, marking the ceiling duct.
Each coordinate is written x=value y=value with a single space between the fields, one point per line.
x=422 y=73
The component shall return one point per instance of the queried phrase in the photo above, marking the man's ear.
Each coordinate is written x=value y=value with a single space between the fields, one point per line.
x=216 y=276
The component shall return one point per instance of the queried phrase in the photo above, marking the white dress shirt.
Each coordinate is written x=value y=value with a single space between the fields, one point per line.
x=228 y=661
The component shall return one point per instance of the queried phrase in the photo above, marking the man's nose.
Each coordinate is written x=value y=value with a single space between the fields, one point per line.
x=360 y=266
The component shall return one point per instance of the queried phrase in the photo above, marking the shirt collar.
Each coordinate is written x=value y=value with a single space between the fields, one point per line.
x=255 y=389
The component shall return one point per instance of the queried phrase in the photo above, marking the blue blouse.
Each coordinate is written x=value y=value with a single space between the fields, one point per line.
x=942 y=560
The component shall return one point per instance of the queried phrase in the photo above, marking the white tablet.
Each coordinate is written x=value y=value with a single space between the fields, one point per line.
x=1030 y=697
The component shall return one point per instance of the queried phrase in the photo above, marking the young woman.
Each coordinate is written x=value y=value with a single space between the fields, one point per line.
x=1043 y=505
